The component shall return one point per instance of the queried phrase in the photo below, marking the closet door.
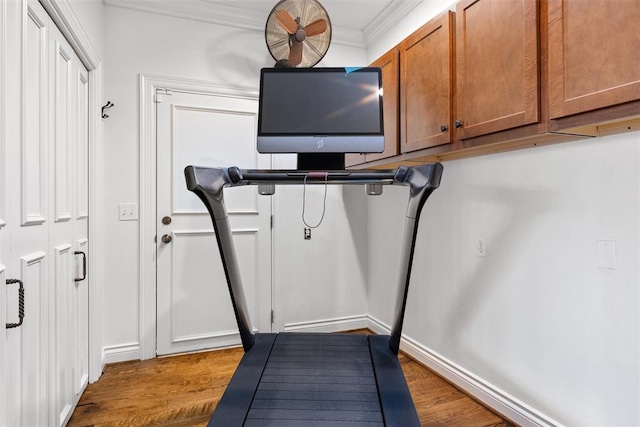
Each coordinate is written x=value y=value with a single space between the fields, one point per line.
x=44 y=202
x=68 y=135
x=27 y=355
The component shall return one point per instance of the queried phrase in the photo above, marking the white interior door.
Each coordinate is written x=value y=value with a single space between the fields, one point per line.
x=194 y=310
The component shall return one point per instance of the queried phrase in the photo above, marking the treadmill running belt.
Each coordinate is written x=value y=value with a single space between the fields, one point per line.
x=317 y=380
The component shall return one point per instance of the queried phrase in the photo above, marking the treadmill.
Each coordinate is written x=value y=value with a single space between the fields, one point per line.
x=314 y=379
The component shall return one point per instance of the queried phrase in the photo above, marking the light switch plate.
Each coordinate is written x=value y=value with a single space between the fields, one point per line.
x=128 y=211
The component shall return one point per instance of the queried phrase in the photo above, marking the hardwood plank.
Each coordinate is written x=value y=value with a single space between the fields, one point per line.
x=183 y=390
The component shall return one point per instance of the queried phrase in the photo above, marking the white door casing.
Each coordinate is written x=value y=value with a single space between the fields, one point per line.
x=4 y=233
x=194 y=310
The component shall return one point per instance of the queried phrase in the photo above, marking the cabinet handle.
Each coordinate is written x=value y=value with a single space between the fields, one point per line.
x=20 y=303
x=458 y=124
x=443 y=128
x=84 y=266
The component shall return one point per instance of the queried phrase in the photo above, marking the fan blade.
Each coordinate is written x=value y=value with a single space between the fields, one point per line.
x=286 y=21
x=316 y=27
x=295 y=54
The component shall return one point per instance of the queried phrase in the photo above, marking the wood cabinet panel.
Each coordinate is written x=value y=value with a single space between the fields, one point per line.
x=426 y=85
x=594 y=55
x=497 y=65
x=389 y=65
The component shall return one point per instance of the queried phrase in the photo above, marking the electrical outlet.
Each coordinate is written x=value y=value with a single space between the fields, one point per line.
x=606 y=252
x=307 y=234
x=128 y=211
x=481 y=248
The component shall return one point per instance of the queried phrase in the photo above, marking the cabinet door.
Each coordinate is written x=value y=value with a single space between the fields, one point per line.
x=594 y=55
x=388 y=63
x=426 y=85
x=497 y=65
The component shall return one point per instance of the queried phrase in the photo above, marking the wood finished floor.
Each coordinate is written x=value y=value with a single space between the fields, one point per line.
x=183 y=390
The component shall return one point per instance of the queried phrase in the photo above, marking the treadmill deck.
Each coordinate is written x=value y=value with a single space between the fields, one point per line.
x=317 y=380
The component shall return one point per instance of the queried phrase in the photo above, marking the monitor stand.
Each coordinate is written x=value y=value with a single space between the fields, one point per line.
x=320 y=161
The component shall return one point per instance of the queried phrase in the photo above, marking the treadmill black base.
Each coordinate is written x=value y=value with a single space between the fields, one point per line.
x=314 y=380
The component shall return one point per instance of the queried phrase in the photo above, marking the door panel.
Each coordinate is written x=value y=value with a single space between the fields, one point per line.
x=34 y=128
x=194 y=311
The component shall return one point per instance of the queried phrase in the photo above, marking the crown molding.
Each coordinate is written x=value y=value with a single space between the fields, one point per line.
x=215 y=13
x=65 y=18
x=387 y=19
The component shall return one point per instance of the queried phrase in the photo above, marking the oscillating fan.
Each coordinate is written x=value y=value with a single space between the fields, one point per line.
x=298 y=33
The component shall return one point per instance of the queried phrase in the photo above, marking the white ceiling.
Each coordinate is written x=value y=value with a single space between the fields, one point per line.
x=354 y=22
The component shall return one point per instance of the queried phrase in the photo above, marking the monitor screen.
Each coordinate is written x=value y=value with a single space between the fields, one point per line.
x=320 y=110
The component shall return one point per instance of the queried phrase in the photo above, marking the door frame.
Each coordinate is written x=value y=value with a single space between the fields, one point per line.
x=63 y=15
x=148 y=85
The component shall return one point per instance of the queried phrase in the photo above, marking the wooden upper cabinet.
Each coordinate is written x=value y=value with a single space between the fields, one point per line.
x=497 y=66
x=594 y=55
x=426 y=85
x=388 y=63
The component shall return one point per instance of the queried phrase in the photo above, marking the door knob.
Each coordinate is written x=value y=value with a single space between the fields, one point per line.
x=166 y=239
x=166 y=220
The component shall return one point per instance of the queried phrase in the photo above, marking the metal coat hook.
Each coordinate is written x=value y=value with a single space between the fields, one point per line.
x=108 y=105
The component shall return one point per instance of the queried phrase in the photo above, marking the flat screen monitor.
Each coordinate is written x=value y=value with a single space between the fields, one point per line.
x=320 y=110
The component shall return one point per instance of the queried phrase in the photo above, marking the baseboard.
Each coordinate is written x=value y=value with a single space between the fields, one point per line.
x=488 y=394
x=121 y=353
x=330 y=325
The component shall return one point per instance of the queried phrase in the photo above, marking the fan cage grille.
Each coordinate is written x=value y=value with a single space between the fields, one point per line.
x=314 y=47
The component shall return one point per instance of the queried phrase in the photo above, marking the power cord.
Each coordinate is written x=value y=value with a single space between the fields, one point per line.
x=304 y=196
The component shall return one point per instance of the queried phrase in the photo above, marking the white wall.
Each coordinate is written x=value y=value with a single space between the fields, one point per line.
x=138 y=42
x=536 y=318
x=321 y=284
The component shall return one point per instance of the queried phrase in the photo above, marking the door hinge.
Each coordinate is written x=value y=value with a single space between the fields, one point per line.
x=271 y=221
x=157 y=98
x=272 y=317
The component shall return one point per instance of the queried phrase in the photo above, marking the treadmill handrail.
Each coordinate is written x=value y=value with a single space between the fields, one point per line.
x=208 y=184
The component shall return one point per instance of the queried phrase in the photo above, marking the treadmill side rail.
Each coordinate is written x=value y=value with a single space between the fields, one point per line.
x=235 y=402
x=397 y=405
